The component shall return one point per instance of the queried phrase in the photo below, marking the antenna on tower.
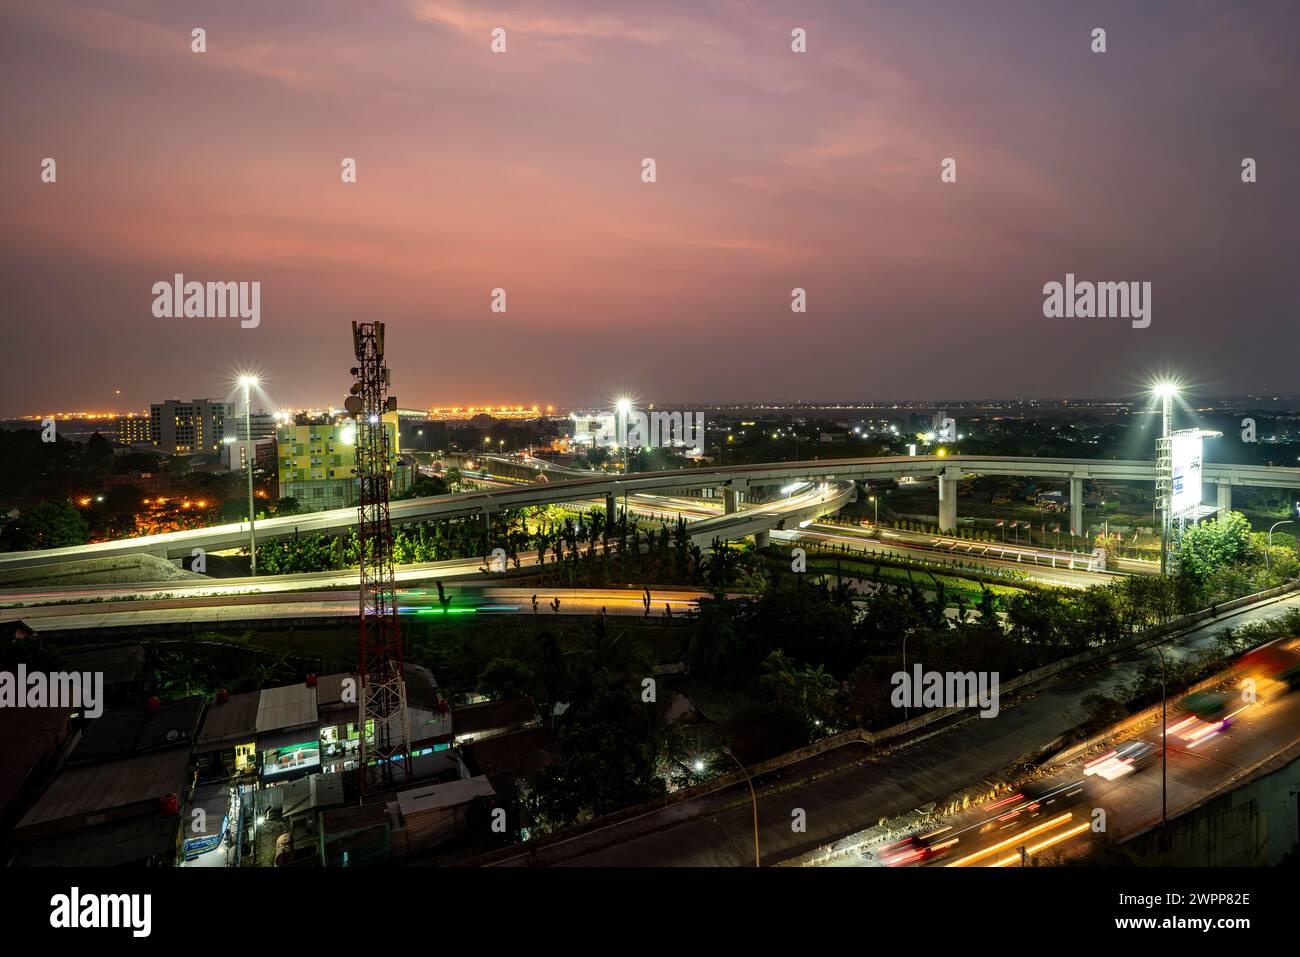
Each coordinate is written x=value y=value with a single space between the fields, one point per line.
x=383 y=721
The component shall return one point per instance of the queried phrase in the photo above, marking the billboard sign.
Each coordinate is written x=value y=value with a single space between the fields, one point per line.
x=1185 y=453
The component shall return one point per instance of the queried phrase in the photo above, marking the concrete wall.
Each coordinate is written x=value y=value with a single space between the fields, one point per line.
x=1256 y=824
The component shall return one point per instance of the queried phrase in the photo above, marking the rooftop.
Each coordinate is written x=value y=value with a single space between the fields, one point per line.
x=96 y=793
x=289 y=706
x=122 y=732
x=231 y=722
x=511 y=756
x=493 y=715
x=436 y=796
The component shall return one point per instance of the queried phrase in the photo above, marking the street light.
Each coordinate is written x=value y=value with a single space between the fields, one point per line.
x=248 y=381
x=1164 y=748
x=876 y=502
x=1289 y=521
x=753 y=797
x=906 y=714
x=1165 y=391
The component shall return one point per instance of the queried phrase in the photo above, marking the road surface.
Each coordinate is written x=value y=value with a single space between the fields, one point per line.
x=857 y=792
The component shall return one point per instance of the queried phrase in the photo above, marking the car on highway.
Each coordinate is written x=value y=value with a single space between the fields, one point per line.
x=916 y=849
x=1206 y=714
x=1121 y=761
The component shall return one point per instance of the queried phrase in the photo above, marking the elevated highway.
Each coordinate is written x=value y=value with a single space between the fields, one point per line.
x=734 y=481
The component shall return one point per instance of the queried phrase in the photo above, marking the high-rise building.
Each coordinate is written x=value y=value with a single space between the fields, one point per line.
x=134 y=430
x=194 y=427
x=318 y=463
x=265 y=425
x=235 y=454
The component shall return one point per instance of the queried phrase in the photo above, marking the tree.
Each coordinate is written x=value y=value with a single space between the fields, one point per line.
x=1212 y=545
x=99 y=456
x=118 y=510
x=505 y=678
x=53 y=525
x=808 y=692
x=714 y=640
x=1109 y=544
x=426 y=486
x=607 y=760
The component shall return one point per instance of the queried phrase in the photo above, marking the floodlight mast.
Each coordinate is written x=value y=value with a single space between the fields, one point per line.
x=385 y=758
x=1165 y=469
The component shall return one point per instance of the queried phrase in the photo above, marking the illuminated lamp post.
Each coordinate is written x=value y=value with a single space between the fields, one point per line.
x=248 y=381
x=753 y=796
x=1289 y=521
x=1166 y=391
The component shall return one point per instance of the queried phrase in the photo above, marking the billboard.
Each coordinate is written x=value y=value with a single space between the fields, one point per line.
x=1185 y=453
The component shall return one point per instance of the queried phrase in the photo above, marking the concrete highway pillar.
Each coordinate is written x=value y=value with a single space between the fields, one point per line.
x=1225 y=498
x=1076 y=506
x=730 y=497
x=611 y=511
x=948 y=501
x=762 y=540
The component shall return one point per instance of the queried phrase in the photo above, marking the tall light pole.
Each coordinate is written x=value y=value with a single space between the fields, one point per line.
x=906 y=713
x=753 y=797
x=248 y=381
x=1166 y=392
x=1164 y=747
x=622 y=407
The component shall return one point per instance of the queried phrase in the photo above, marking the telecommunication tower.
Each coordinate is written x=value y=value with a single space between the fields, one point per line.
x=381 y=701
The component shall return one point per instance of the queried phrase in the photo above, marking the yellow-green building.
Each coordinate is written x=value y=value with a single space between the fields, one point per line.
x=318 y=463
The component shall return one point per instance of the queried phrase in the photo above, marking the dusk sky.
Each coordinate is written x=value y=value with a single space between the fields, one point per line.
x=522 y=170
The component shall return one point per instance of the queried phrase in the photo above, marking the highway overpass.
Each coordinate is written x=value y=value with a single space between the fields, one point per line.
x=734 y=480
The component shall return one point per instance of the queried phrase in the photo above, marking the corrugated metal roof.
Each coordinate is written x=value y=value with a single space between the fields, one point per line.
x=104 y=845
x=433 y=797
x=234 y=722
x=98 y=788
x=329 y=690
x=120 y=732
x=291 y=706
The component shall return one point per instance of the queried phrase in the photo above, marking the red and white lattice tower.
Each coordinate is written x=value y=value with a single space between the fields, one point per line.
x=385 y=758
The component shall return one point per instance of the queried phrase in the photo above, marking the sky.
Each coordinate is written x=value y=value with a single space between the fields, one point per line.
x=523 y=171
